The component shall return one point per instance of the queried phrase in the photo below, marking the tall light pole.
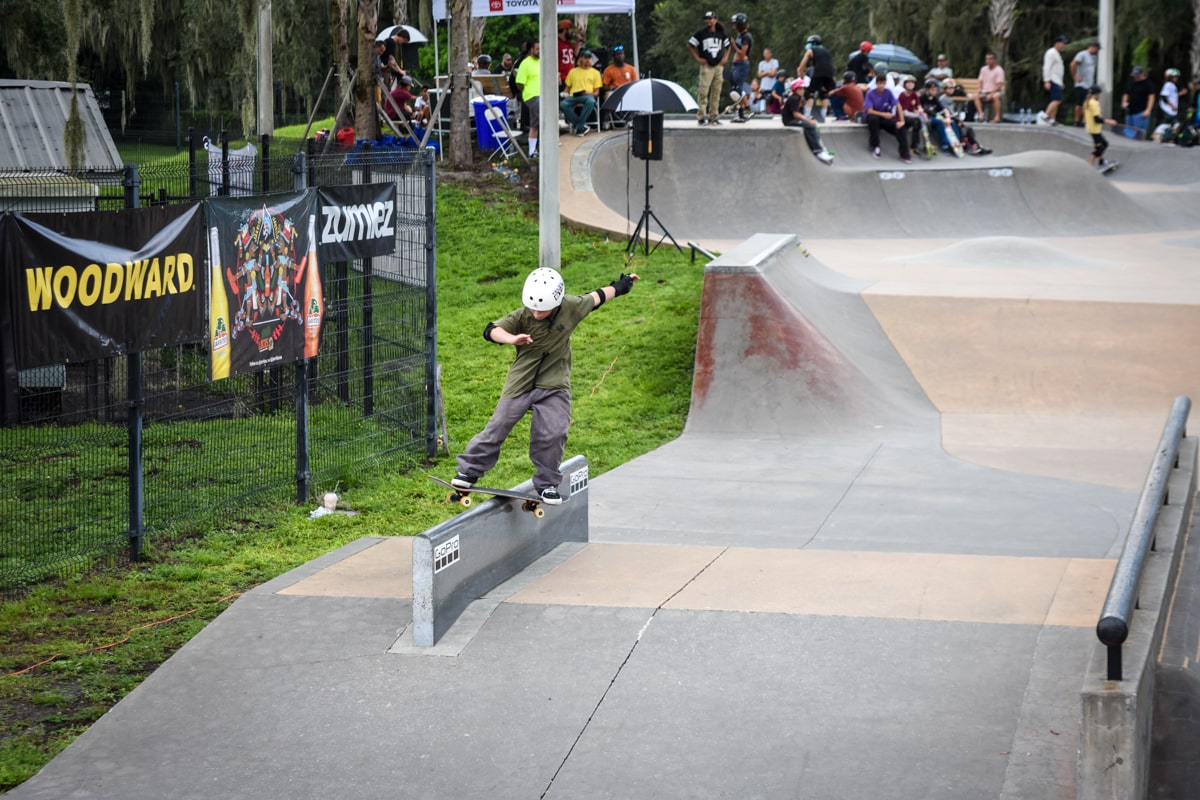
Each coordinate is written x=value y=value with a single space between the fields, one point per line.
x=1104 y=65
x=266 y=76
x=549 y=231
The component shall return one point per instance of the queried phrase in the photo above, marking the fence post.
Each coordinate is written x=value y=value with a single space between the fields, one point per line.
x=178 y=121
x=265 y=162
x=368 y=336
x=137 y=483
x=303 y=470
x=431 y=380
x=224 y=164
x=133 y=184
x=302 y=389
x=193 y=188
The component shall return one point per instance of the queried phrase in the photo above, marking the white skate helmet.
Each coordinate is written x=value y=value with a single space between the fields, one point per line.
x=544 y=289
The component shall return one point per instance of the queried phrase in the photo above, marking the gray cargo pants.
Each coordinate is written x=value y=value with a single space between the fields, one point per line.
x=547 y=435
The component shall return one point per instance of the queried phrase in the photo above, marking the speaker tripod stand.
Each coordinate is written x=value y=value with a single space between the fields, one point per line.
x=643 y=225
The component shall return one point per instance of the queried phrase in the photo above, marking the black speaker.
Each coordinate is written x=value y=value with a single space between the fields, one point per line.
x=409 y=58
x=648 y=135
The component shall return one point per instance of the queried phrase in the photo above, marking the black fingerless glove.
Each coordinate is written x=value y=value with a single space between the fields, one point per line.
x=622 y=284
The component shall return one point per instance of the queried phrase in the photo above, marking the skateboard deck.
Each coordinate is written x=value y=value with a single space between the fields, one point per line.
x=952 y=137
x=1109 y=167
x=1128 y=131
x=530 y=502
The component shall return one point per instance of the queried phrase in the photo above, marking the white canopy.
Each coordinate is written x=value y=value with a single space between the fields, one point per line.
x=497 y=8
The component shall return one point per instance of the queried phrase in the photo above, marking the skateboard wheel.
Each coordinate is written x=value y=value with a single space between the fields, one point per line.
x=539 y=512
x=464 y=501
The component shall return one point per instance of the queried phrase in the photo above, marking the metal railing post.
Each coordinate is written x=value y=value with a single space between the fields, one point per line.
x=1112 y=629
x=431 y=378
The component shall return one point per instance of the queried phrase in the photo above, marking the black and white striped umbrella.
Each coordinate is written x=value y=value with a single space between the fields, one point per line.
x=650 y=94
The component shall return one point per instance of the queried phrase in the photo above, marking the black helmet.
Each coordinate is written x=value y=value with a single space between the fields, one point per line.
x=933 y=82
x=484 y=61
x=849 y=76
x=740 y=19
x=814 y=39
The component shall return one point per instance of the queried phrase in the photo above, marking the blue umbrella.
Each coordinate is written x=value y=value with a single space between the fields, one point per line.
x=897 y=58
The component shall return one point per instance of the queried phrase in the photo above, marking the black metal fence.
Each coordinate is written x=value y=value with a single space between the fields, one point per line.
x=113 y=453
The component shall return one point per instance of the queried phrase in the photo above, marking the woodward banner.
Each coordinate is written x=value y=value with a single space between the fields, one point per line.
x=266 y=303
x=86 y=286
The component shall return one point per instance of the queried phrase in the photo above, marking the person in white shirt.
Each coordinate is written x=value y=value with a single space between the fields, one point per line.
x=1052 y=80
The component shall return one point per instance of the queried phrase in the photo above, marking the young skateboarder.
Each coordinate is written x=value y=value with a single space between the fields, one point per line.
x=539 y=379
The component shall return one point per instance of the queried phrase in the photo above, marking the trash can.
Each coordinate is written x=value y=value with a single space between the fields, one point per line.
x=483 y=131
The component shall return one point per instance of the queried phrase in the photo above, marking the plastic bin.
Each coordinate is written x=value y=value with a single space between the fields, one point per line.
x=483 y=133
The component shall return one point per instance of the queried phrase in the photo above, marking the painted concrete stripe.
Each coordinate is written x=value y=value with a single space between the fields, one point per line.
x=958 y=588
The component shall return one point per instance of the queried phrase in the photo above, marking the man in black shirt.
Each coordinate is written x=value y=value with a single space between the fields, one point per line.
x=821 y=82
x=709 y=46
x=1138 y=100
x=860 y=63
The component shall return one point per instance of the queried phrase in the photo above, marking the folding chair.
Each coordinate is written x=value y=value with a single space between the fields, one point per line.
x=497 y=125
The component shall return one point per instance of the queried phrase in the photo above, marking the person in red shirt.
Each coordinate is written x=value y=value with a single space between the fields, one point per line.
x=849 y=97
x=914 y=115
x=566 y=49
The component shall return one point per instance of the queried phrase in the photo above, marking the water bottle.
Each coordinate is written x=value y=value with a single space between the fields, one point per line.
x=1026 y=116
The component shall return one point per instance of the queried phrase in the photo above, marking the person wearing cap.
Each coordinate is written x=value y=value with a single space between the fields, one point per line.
x=942 y=71
x=539 y=379
x=1083 y=74
x=1094 y=125
x=709 y=46
x=822 y=81
x=846 y=101
x=739 y=72
x=794 y=117
x=991 y=89
x=401 y=105
x=860 y=63
x=582 y=86
x=1168 y=103
x=1138 y=100
x=616 y=75
x=567 y=49
x=779 y=92
x=1052 y=80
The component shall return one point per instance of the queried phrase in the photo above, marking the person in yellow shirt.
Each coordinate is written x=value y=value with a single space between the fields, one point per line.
x=583 y=85
x=1094 y=122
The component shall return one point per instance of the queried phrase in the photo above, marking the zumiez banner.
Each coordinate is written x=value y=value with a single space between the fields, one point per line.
x=357 y=222
x=266 y=303
x=86 y=286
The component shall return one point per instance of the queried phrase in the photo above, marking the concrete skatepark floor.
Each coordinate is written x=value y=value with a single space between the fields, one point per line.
x=889 y=525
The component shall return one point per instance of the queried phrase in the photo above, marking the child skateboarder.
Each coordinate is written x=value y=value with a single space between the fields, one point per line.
x=1095 y=122
x=539 y=379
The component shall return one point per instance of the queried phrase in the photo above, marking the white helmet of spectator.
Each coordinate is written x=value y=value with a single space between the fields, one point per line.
x=543 y=290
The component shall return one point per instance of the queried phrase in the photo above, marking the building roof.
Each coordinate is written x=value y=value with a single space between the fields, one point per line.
x=33 y=116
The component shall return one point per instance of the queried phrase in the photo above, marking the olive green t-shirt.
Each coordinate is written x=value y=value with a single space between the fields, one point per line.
x=546 y=363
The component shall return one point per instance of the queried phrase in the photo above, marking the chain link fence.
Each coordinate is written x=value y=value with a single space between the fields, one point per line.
x=106 y=455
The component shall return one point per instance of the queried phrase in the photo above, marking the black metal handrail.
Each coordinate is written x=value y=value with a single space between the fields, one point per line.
x=1113 y=626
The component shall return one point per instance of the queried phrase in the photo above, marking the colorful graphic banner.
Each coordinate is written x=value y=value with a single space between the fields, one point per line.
x=357 y=222
x=86 y=286
x=266 y=303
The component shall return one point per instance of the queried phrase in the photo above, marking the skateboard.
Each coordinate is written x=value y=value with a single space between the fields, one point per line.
x=952 y=137
x=1128 y=131
x=531 y=502
x=1109 y=167
x=927 y=141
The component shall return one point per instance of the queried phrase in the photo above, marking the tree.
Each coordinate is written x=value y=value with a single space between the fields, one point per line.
x=1002 y=16
x=366 y=122
x=460 y=133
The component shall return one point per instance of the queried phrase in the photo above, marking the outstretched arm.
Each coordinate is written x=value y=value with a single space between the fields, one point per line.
x=617 y=288
x=494 y=333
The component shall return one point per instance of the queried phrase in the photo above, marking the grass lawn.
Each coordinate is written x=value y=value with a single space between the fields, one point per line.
x=70 y=649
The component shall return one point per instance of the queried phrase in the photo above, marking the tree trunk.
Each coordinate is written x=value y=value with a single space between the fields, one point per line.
x=366 y=123
x=341 y=60
x=1195 y=40
x=400 y=12
x=460 y=108
x=425 y=19
x=1002 y=15
x=476 y=44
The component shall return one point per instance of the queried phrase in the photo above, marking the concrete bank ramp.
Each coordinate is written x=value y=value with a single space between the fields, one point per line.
x=808 y=430
x=713 y=186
